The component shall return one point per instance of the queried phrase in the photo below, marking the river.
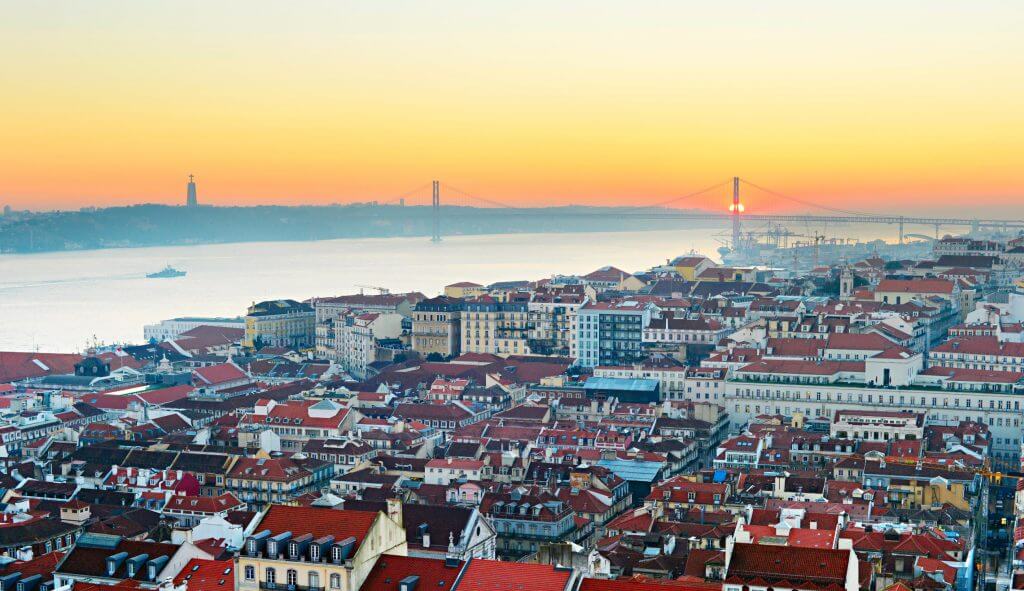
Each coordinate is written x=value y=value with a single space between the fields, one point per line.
x=61 y=301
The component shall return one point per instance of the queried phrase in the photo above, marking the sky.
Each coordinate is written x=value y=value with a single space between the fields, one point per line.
x=888 y=106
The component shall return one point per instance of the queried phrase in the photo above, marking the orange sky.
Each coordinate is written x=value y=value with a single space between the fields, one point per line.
x=878 y=106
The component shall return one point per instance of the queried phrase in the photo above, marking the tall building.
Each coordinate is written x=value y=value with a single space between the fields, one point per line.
x=437 y=326
x=280 y=323
x=496 y=327
x=191 y=200
x=611 y=333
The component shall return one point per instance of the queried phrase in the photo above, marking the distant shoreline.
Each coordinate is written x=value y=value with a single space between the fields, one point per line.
x=154 y=226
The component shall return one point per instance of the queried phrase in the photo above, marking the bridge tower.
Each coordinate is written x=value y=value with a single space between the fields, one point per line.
x=735 y=211
x=436 y=203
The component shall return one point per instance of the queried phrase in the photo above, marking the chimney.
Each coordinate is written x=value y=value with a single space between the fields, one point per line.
x=424 y=530
x=408 y=583
x=394 y=507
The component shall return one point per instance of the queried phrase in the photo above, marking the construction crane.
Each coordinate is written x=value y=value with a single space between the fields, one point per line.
x=380 y=290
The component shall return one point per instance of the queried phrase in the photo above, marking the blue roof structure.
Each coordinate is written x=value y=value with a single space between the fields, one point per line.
x=633 y=470
x=621 y=384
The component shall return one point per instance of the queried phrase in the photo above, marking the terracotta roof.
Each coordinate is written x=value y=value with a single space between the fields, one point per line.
x=340 y=523
x=960 y=374
x=644 y=584
x=915 y=286
x=165 y=395
x=606 y=274
x=207 y=575
x=801 y=367
x=224 y=502
x=219 y=374
x=981 y=345
x=275 y=469
x=795 y=564
x=497 y=575
x=16 y=366
x=389 y=572
x=292 y=411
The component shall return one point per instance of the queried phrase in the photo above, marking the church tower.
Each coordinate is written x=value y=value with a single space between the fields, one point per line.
x=191 y=200
x=846 y=283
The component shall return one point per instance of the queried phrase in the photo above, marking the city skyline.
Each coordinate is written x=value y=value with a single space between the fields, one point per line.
x=889 y=107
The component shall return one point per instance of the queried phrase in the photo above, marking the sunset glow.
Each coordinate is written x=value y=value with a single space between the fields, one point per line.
x=875 y=105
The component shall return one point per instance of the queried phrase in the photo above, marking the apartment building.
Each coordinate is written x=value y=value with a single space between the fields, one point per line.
x=611 y=333
x=498 y=327
x=820 y=388
x=552 y=312
x=280 y=323
x=437 y=326
x=317 y=548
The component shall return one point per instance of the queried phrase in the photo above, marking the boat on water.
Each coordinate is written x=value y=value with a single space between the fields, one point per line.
x=166 y=272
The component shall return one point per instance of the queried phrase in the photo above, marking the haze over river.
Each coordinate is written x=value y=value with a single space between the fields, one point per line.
x=59 y=301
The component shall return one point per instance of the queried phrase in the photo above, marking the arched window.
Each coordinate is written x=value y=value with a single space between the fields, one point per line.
x=292 y=577
x=271 y=576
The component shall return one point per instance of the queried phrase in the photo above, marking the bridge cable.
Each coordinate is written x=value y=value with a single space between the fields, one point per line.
x=681 y=198
x=809 y=203
x=626 y=211
x=477 y=198
x=401 y=196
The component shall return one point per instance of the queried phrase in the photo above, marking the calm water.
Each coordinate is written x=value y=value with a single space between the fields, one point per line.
x=60 y=301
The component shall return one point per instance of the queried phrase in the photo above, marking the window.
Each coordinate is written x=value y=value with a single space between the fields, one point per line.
x=271 y=576
x=250 y=573
x=292 y=577
x=314 y=579
x=335 y=581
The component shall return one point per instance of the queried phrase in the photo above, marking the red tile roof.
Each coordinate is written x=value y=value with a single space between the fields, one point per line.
x=870 y=341
x=981 y=345
x=642 y=584
x=915 y=286
x=795 y=564
x=274 y=469
x=388 y=572
x=318 y=521
x=219 y=374
x=287 y=412
x=988 y=376
x=16 y=366
x=207 y=575
x=812 y=538
x=497 y=575
x=606 y=274
x=165 y=395
x=679 y=491
x=455 y=464
x=224 y=502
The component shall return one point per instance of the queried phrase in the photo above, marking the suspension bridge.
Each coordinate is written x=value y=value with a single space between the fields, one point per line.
x=455 y=199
